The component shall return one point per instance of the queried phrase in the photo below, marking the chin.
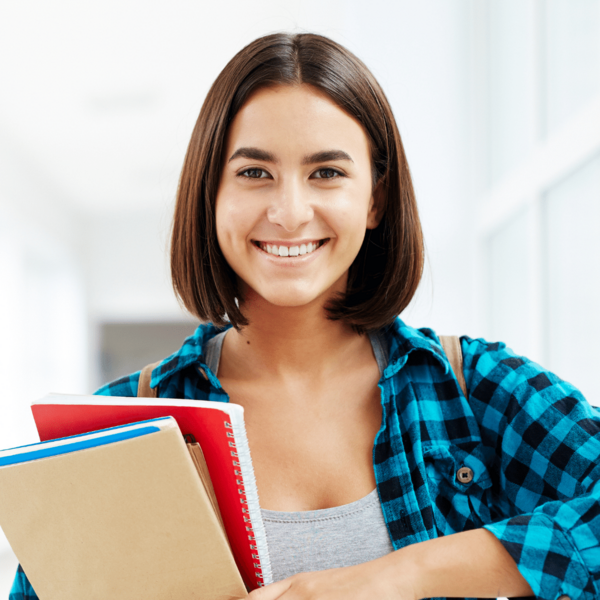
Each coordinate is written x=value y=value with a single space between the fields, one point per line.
x=289 y=295
x=284 y=296
x=291 y=300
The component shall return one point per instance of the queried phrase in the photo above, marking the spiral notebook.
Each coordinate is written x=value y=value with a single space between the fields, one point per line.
x=119 y=513
x=218 y=428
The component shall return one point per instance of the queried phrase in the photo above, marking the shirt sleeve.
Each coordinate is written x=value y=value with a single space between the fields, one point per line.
x=546 y=438
x=126 y=386
x=21 y=588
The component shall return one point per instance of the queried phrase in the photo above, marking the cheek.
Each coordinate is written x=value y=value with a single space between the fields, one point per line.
x=348 y=217
x=232 y=221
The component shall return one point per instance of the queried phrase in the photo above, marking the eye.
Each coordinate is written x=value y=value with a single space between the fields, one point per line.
x=327 y=174
x=253 y=173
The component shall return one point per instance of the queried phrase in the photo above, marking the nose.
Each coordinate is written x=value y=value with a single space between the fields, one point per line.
x=290 y=207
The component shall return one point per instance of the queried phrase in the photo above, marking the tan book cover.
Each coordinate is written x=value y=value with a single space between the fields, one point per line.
x=123 y=520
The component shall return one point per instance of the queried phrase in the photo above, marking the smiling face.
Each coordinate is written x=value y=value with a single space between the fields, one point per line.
x=295 y=196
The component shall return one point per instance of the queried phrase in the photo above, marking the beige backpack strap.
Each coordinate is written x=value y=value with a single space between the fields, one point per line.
x=451 y=346
x=144 y=389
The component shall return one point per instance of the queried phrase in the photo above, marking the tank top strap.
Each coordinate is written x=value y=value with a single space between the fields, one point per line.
x=378 y=342
x=212 y=351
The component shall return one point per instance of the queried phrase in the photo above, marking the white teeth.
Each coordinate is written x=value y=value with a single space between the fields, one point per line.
x=290 y=250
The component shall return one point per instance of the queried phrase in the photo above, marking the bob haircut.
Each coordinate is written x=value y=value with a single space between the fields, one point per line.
x=386 y=272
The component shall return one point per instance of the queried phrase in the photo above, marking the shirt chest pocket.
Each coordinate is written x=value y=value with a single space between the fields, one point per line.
x=459 y=485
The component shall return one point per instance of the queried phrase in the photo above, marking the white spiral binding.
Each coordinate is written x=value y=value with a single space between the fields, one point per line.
x=258 y=535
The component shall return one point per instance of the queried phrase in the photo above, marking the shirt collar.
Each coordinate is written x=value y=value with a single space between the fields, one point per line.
x=401 y=339
x=404 y=339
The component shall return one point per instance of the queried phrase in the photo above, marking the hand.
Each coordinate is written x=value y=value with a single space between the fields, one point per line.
x=380 y=579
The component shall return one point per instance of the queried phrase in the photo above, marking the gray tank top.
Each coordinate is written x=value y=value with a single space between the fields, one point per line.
x=316 y=540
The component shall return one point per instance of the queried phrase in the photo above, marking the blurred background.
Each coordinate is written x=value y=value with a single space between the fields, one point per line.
x=498 y=103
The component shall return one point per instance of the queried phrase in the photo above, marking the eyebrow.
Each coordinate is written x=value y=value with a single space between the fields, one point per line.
x=309 y=159
x=253 y=154
x=325 y=156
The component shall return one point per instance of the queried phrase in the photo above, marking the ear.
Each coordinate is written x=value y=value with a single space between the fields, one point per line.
x=376 y=207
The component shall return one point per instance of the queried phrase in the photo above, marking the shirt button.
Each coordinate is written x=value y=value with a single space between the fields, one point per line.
x=465 y=475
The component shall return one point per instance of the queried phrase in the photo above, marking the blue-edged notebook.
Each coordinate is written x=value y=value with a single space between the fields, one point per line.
x=119 y=513
x=74 y=443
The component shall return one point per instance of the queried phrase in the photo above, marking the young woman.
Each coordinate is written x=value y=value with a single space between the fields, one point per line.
x=296 y=239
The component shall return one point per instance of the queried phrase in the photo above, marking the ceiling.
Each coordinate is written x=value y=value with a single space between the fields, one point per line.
x=102 y=97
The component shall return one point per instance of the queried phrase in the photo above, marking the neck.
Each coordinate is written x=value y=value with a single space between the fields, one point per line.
x=288 y=341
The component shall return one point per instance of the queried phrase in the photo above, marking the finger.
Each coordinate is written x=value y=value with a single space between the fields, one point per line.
x=271 y=591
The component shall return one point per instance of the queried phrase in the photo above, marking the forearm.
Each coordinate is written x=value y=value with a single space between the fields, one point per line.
x=468 y=564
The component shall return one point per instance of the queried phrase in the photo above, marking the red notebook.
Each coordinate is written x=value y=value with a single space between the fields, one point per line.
x=218 y=428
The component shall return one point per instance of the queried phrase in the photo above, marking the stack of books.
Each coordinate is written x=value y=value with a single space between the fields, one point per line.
x=126 y=499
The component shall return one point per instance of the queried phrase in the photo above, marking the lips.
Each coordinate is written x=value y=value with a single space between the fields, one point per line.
x=290 y=250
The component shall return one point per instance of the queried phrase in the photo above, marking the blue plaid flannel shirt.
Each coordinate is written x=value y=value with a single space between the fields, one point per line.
x=531 y=440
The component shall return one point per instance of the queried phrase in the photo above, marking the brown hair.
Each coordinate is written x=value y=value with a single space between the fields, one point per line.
x=386 y=272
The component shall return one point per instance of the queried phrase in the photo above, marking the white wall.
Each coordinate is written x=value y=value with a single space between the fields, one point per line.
x=43 y=312
x=537 y=216
x=128 y=266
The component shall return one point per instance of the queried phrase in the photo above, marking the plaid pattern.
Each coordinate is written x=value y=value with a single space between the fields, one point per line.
x=530 y=439
x=21 y=588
